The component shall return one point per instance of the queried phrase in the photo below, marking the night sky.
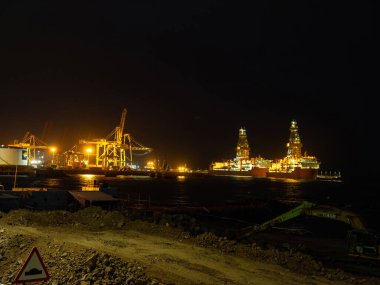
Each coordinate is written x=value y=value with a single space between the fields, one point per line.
x=191 y=73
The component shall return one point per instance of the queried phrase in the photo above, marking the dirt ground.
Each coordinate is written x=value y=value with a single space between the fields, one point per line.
x=93 y=246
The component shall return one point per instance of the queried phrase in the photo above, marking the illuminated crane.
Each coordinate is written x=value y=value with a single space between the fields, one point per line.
x=115 y=151
x=33 y=145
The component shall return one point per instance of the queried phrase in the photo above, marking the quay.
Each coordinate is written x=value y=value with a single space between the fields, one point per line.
x=62 y=172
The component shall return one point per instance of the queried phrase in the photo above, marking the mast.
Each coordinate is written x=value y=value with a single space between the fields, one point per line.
x=294 y=145
x=242 y=148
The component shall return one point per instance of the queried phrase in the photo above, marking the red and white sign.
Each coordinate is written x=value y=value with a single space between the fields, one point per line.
x=33 y=269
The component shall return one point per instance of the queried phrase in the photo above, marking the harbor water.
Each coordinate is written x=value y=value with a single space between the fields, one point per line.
x=356 y=195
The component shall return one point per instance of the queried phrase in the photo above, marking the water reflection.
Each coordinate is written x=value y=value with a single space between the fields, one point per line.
x=87 y=176
x=52 y=183
x=181 y=196
x=293 y=189
x=201 y=190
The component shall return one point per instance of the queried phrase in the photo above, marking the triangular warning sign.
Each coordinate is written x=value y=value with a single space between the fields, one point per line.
x=33 y=269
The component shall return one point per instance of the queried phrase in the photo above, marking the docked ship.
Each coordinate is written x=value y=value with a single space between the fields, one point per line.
x=242 y=164
x=293 y=166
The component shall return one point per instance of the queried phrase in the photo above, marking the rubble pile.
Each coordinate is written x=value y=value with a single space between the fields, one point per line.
x=180 y=221
x=70 y=266
x=91 y=217
x=290 y=258
x=70 y=263
x=97 y=218
x=208 y=239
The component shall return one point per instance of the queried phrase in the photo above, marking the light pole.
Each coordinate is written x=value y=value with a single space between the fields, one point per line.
x=53 y=150
x=89 y=151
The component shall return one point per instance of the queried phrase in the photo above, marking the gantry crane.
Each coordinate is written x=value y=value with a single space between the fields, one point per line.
x=116 y=150
x=33 y=144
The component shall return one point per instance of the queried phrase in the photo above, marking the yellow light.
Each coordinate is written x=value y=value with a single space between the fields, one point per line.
x=87 y=176
x=89 y=150
x=150 y=165
x=53 y=149
x=182 y=169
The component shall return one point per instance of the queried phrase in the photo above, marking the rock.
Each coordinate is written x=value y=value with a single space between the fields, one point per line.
x=129 y=280
x=108 y=270
x=91 y=262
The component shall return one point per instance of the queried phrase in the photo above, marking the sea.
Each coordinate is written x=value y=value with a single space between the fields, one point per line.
x=359 y=195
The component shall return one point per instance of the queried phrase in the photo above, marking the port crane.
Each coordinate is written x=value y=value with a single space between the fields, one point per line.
x=361 y=242
x=116 y=150
x=33 y=145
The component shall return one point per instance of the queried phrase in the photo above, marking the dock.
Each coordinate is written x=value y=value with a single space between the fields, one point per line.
x=330 y=176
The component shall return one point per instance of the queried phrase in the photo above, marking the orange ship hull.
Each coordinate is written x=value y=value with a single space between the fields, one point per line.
x=258 y=172
x=254 y=172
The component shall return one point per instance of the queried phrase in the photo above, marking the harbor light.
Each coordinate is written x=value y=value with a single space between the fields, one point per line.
x=89 y=151
x=53 y=151
x=150 y=165
x=182 y=168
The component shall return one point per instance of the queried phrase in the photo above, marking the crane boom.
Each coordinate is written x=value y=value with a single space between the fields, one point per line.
x=348 y=217
x=310 y=209
x=120 y=130
x=293 y=213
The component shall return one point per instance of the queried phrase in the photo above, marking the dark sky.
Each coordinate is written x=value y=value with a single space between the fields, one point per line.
x=191 y=73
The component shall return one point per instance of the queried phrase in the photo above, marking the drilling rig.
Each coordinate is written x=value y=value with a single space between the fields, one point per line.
x=116 y=150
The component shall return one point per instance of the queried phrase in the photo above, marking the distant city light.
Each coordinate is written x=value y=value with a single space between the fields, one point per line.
x=150 y=165
x=182 y=169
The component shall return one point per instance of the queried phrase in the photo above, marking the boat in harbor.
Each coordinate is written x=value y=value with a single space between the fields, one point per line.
x=293 y=166
x=242 y=164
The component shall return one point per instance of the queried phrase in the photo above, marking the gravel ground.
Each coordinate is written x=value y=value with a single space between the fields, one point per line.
x=93 y=246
